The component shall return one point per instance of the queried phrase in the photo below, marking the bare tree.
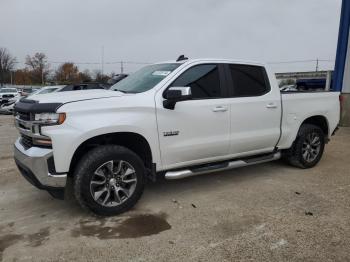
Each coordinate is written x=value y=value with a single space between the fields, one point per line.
x=39 y=67
x=22 y=77
x=7 y=63
x=85 y=76
x=100 y=78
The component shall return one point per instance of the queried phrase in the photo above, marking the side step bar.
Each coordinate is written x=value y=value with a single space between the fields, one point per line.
x=178 y=174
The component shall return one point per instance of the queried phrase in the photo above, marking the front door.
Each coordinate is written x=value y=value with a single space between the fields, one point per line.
x=197 y=130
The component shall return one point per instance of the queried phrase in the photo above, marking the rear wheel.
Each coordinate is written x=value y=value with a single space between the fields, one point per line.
x=308 y=147
x=109 y=180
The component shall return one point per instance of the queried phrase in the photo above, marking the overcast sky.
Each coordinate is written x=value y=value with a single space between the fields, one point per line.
x=157 y=30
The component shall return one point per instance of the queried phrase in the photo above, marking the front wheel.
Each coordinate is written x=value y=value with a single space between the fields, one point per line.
x=109 y=180
x=308 y=147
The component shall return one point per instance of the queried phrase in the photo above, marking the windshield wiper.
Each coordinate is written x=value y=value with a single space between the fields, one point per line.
x=122 y=91
x=125 y=92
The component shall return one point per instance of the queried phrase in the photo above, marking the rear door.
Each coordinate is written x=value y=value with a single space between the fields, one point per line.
x=197 y=130
x=255 y=110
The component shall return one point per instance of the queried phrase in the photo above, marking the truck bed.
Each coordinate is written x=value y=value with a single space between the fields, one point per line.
x=298 y=106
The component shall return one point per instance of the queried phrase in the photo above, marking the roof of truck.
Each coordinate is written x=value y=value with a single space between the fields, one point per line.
x=214 y=60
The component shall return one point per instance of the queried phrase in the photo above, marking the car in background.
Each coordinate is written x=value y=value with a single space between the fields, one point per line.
x=116 y=78
x=64 y=88
x=311 y=84
x=48 y=89
x=7 y=93
x=7 y=107
x=27 y=91
x=288 y=88
x=82 y=86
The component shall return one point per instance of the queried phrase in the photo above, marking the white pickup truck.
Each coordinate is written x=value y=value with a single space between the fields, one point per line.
x=177 y=119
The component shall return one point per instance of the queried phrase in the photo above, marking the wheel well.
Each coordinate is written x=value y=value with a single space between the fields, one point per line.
x=319 y=121
x=135 y=142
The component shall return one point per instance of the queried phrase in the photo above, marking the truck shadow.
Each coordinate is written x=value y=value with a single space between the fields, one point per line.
x=204 y=181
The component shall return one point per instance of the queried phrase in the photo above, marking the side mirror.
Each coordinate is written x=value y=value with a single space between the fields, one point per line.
x=176 y=94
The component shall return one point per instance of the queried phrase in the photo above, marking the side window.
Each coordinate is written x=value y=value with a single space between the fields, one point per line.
x=67 y=88
x=204 y=81
x=78 y=87
x=249 y=80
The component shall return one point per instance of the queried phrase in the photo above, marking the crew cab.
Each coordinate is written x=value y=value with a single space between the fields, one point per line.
x=174 y=119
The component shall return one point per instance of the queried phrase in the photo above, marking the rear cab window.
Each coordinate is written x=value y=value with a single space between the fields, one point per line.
x=247 y=80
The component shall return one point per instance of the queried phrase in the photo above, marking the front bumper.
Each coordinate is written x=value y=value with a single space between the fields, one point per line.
x=36 y=165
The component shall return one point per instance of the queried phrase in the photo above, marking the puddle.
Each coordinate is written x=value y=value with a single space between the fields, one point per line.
x=132 y=227
x=38 y=238
x=7 y=241
x=143 y=225
x=34 y=240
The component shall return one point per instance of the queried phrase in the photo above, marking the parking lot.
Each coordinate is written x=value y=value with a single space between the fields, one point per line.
x=268 y=212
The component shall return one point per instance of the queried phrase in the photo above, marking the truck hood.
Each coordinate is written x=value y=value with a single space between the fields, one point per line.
x=73 y=96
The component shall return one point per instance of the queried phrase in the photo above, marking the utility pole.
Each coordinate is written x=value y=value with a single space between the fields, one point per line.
x=328 y=80
x=102 y=59
x=317 y=65
x=121 y=67
x=42 y=76
x=11 y=77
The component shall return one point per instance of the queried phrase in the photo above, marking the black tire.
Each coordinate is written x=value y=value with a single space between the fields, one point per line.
x=294 y=155
x=92 y=161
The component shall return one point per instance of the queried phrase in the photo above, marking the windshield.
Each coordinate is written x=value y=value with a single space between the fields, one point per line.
x=145 y=78
x=8 y=90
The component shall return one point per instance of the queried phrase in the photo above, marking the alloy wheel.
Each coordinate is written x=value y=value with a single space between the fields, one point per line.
x=311 y=147
x=113 y=183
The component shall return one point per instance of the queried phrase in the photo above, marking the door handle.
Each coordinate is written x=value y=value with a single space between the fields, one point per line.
x=220 y=109
x=271 y=105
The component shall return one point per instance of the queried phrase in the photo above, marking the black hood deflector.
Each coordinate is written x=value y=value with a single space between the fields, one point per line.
x=32 y=106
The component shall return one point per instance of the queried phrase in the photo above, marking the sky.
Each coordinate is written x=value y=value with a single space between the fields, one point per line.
x=146 y=31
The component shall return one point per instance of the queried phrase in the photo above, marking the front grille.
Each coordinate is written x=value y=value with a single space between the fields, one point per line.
x=8 y=96
x=26 y=141
x=24 y=116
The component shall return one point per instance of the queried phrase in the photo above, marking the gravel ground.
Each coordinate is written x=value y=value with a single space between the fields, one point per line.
x=267 y=212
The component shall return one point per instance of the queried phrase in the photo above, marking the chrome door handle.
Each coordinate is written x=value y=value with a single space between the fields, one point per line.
x=271 y=105
x=220 y=109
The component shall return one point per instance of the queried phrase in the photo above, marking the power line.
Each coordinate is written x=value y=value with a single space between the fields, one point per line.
x=147 y=63
x=301 y=61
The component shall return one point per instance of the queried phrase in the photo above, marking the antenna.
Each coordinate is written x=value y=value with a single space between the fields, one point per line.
x=181 y=57
x=102 y=59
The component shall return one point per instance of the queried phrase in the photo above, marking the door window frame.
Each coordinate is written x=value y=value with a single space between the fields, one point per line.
x=222 y=79
x=230 y=85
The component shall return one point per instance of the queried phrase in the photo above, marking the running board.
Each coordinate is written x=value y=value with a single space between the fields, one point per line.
x=178 y=174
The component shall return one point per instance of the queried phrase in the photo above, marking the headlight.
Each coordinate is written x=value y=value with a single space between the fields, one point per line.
x=50 y=118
